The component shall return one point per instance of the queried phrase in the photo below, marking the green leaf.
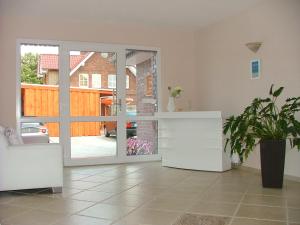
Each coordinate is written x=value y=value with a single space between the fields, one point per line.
x=278 y=92
x=271 y=90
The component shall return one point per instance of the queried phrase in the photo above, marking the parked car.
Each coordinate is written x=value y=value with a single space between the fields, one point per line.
x=34 y=132
x=110 y=128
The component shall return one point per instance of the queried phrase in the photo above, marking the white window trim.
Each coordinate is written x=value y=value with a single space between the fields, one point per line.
x=64 y=96
x=109 y=82
x=95 y=78
x=127 y=82
x=79 y=79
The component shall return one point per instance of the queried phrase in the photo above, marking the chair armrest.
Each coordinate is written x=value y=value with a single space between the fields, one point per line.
x=31 y=166
x=42 y=153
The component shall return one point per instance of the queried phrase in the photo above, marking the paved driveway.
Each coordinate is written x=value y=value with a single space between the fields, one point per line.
x=91 y=146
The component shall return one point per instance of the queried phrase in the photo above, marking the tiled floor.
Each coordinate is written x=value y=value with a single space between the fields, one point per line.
x=148 y=194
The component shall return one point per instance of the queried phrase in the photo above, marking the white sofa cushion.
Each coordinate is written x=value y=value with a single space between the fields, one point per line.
x=12 y=136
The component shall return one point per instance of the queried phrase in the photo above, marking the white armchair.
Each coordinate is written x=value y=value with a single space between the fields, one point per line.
x=29 y=166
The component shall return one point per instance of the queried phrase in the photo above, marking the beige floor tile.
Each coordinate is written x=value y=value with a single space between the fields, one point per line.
x=264 y=200
x=229 y=188
x=214 y=208
x=128 y=200
x=35 y=217
x=98 y=179
x=183 y=184
x=242 y=221
x=294 y=215
x=193 y=189
x=66 y=192
x=31 y=201
x=75 y=176
x=111 y=188
x=143 y=190
x=294 y=202
x=6 y=197
x=179 y=194
x=92 y=196
x=262 y=212
x=148 y=194
x=172 y=204
x=67 y=206
x=213 y=196
x=106 y=211
x=82 y=220
x=149 y=217
x=258 y=189
x=82 y=185
x=7 y=211
x=114 y=173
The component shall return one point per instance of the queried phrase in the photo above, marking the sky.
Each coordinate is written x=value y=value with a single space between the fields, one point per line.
x=43 y=49
x=39 y=49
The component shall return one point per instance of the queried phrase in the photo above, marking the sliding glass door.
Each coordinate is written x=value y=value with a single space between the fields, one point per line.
x=106 y=97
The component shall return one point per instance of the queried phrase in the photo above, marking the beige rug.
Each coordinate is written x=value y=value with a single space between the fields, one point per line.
x=194 y=219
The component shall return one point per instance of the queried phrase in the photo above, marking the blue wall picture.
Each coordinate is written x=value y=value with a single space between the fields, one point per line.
x=255 y=68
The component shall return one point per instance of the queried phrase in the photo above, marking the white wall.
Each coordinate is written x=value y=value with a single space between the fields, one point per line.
x=212 y=64
x=177 y=51
x=223 y=62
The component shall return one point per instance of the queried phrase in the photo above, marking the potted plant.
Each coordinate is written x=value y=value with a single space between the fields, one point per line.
x=264 y=122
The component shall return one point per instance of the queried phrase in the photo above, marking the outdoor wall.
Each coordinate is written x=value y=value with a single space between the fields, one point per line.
x=223 y=79
x=177 y=51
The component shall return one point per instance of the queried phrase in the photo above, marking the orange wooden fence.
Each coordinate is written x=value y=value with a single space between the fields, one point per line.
x=43 y=100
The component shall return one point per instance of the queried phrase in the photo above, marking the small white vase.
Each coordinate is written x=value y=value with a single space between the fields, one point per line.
x=171 y=105
x=235 y=160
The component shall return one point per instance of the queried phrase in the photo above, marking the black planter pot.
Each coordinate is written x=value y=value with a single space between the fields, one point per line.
x=272 y=157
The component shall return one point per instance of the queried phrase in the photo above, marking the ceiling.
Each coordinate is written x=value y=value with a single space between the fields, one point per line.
x=173 y=13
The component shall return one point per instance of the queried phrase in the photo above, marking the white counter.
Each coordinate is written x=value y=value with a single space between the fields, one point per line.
x=192 y=140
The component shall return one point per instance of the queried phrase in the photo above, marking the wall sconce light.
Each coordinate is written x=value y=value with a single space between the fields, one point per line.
x=254 y=46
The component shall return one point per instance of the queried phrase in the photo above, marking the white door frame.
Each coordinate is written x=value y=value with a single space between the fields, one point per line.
x=64 y=119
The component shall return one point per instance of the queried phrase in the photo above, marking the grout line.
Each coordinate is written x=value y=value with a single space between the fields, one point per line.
x=287 y=212
x=237 y=208
x=259 y=219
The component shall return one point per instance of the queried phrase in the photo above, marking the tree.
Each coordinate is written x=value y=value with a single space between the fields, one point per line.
x=29 y=63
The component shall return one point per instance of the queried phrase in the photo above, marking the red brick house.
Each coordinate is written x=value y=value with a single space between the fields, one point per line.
x=86 y=63
x=91 y=70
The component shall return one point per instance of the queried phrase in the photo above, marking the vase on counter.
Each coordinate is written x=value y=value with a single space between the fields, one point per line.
x=171 y=104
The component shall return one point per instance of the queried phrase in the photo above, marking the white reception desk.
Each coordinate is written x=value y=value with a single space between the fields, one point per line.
x=192 y=140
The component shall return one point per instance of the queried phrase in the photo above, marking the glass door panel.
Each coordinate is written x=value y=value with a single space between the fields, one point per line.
x=93 y=83
x=88 y=140
x=141 y=101
x=93 y=95
x=141 y=82
x=141 y=137
x=39 y=80
x=38 y=97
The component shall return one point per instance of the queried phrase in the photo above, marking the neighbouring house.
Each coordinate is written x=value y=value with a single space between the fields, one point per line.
x=93 y=70
x=92 y=88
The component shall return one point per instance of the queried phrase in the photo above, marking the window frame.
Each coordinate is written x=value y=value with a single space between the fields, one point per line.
x=99 y=79
x=127 y=82
x=79 y=80
x=64 y=118
x=114 y=81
